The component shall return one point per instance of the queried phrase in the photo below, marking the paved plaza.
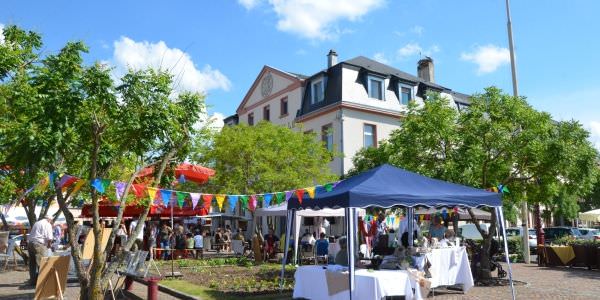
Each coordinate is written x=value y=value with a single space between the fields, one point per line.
x=541 y=283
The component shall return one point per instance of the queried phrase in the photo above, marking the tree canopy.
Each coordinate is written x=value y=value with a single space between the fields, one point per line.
x=498 y=140
x=265 y=158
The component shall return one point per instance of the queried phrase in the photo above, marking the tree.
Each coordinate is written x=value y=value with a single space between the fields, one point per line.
x=62 y=116
x=498 y=140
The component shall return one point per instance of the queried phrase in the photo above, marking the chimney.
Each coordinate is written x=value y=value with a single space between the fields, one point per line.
x=425 y=69
x=331 y=58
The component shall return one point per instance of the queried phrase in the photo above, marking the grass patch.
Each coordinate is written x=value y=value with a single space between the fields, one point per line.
x=209 y=294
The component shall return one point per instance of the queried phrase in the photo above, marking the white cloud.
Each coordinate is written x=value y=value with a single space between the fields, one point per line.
x=316 y=19
x=418 y=30
x=595 y=133
x=249 y=4
x=488 y=58
x=413 y=49
x=139 y=55
x=217 y=121
x=380 y=57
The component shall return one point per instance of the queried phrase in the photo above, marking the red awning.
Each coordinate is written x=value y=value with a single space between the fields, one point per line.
x=110 y=211
x=194 y=173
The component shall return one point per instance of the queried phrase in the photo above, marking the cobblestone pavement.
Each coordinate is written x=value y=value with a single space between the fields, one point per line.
x=542 y=283
x=13 y=286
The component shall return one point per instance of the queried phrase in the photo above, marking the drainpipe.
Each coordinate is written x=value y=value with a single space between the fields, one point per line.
x=342 y=137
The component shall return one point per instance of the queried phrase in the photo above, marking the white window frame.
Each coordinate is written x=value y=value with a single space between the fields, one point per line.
x=373 y=135
x=412 y=92
x=313 y=84
x=382 y=80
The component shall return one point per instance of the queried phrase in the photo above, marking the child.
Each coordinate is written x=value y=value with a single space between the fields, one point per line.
x=189 y=242
x=199 y=244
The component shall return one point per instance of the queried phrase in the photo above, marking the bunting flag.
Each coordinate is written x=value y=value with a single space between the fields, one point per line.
x=288 y=195
x=328 y=187
x=51 y=178
x=252 y=203
x=267 y=198
x=195 y=197
x=181 y=198
x=280 y=196
x=67 y=180
x=244 y=200
x=311 y=192
x=152 y=193
x=421 y=217
x=220 y=200
x=207 y=200
x=120 y=189
x=335 y=184
x=300 y=194
x=494 y=189
x=78 y=186
x=43 y=184
x=138 y=190
x=100 y=184
x=166 y=197
x=444 y=213
x=233 y=199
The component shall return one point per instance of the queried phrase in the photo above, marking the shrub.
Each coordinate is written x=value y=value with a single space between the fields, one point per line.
x=515 y=248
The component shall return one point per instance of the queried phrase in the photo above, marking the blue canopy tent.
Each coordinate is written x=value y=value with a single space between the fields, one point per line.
x=388 y=186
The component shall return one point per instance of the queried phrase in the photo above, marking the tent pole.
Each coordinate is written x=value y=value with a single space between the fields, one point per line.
x=410 y=215
x=500 y=217
x=296 y=221
x=350 y=246
x=288 y=229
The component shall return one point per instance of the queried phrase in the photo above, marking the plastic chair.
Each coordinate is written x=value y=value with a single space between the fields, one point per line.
x=10 y=253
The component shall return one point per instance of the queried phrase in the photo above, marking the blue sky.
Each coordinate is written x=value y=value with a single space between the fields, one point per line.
x=220 y=46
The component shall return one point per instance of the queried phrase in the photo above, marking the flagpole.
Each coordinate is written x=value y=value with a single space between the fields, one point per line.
x=513 y=68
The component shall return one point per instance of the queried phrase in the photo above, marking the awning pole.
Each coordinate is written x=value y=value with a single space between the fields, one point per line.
x=410 y=215
x=500 y=217
x=288 y=229
x=350 y=243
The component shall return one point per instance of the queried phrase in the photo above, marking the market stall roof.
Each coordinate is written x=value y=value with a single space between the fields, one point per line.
x=388 y=186
x=463 y=214
x=281 y=211
x=194 y=173
x=592 y=215
x=132 y=211
x=222 y=215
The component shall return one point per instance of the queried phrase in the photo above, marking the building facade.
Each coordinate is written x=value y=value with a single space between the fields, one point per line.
x=348 y=105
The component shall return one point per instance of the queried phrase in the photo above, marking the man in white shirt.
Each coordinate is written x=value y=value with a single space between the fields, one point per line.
x=39 y=240
x=404 y=229
x=139 y=239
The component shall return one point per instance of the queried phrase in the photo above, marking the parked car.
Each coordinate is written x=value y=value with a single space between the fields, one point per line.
x=590 y=233
x=469 y=231
x=516 y=231
x=553 y=233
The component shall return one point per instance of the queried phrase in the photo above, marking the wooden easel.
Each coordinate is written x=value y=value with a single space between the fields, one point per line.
x=52 y=279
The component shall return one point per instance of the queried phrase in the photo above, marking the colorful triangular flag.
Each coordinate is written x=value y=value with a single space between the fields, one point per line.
x=252 y=203
x=311 y=192
x=152 y=193
x=220 y=200
x=181 y=198
x=165 y=195
x=267 y=198
x=288 y=195
x=280 y=196
x=300 y=195
x=67 y=180
x=232 y=201
x=328 y=187
x=207 y=200
x=77 y=187
x=244 y=200
x=119 y=189
x=195 y=197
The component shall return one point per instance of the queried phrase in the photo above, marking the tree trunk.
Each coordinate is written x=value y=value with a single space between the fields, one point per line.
x=4 y=224
x=485 y=270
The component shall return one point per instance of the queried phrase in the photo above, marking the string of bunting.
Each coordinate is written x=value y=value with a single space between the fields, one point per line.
x=167 y=197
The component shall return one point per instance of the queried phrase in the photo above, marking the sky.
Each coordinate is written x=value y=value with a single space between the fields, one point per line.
x=219 y=47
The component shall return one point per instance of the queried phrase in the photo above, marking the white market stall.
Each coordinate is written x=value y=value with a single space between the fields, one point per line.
x=590 y=216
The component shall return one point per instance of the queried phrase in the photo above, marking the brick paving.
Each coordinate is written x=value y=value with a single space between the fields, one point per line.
x=542 y=283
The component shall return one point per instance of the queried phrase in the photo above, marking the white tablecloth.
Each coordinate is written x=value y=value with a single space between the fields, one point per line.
x=333 y=249
x=311 y=283
x=450 y=266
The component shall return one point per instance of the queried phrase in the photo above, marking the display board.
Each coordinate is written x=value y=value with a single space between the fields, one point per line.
x=52 y=278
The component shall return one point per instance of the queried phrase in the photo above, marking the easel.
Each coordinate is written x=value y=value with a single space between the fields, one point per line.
x=52 y=279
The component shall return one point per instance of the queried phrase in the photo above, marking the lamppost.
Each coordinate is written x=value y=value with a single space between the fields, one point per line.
x=513 y=67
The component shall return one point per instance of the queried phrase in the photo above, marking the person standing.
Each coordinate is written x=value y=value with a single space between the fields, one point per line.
x=437 y=229
x=199 y=244
x=139 y=238
x=39 y=241
x=57 y=235
x=164 y=238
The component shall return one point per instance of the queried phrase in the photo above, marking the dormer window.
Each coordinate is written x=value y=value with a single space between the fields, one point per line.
x=318 y=91
x=376 y=87
x=405 y=93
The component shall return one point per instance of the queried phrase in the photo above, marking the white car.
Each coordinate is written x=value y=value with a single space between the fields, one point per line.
x=590 y=234
x=516 y=231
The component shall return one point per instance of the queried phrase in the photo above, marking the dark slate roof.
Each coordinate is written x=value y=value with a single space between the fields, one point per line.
x=299 y=76
x=365 y=65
